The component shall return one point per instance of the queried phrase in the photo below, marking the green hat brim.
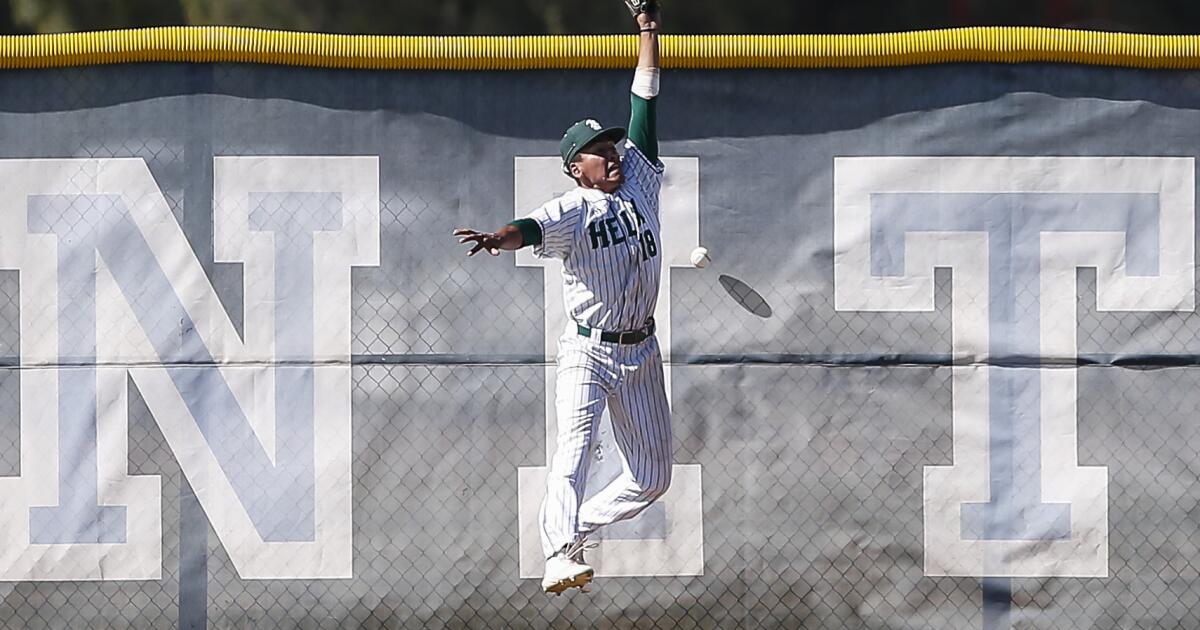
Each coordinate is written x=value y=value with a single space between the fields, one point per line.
x=616 y=134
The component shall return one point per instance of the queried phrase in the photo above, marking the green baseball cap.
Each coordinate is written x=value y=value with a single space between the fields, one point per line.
x=584 y=133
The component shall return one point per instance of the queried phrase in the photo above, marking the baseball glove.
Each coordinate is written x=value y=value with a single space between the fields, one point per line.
x=642 y=6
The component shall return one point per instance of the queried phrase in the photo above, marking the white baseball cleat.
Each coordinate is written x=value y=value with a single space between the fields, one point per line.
x=566 y=569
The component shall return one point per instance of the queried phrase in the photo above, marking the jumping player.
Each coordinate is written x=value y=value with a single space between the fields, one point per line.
x=606 y=232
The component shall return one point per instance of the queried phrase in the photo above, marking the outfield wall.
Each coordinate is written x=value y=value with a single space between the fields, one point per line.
x=935 y=377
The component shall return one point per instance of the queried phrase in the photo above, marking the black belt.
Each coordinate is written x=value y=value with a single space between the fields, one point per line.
x=629 y=336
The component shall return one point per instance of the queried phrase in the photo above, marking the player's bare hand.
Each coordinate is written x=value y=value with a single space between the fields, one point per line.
x=648 y=19
x=490 y=241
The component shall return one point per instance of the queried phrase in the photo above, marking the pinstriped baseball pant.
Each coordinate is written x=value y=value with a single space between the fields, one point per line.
x=628 y=379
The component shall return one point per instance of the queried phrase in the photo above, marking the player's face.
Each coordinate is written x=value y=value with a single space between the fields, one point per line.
x=599 y=166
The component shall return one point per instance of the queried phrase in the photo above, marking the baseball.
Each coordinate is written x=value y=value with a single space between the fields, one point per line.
x=700 y=257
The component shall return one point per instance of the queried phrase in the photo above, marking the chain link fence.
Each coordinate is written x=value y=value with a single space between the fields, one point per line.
x=811 y=435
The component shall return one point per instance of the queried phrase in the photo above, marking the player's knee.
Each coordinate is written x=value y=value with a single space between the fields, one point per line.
x=658 y=483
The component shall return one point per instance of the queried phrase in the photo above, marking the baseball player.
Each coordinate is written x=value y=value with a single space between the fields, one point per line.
x=606 y=233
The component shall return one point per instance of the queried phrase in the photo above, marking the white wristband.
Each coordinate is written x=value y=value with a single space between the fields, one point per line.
x=645 y=82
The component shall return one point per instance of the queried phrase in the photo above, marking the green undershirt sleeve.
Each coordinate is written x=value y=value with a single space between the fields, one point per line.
x=531 y=232
x=643 y=131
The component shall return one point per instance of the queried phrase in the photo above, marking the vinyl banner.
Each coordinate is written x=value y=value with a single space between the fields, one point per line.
x=935 y=375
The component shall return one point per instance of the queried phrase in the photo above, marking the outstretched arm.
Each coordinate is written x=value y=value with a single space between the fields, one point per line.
x=511 y=237
x=643 y=122
x=648 y=25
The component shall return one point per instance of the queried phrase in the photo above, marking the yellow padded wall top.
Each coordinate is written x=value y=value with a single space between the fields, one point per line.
x=203 y=44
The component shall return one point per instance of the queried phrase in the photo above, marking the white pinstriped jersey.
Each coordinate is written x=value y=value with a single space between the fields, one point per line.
x=609 y=245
